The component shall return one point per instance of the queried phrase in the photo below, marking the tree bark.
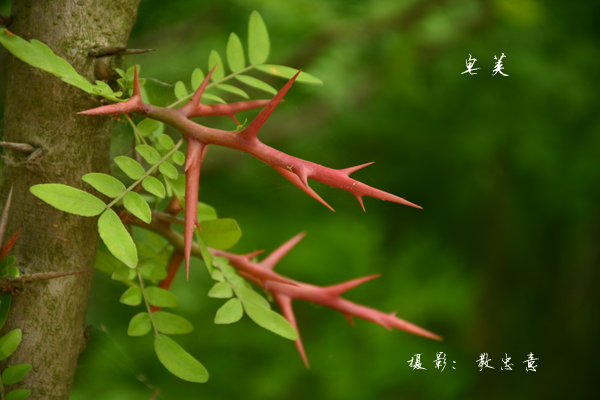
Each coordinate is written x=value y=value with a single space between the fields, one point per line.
x=41 y=110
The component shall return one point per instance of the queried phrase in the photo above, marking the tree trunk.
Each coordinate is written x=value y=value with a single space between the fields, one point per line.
x=42 y=110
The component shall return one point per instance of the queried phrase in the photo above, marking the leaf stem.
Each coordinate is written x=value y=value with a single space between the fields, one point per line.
x=228 y=77
x=136 y=131
x=143 y=289
x=146 y=174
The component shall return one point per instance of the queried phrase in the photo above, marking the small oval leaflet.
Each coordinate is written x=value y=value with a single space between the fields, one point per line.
x=270 y=320
x=132 y=168
x=235 y=53
x=150 y=155
x=139 y=325
x=135 y=204
x=220 y=290
x=9 y=343
x=180 y=90
x=123 y=273
x=256 y=83
x=132 y=296
x=117 y=239
x=14 y=374
x=168 y=170
x=221 y=233
x=161 y=298
x=232 y=89
x=178 y=158
x=166 y=141
x=258 y=40
x=147 y=126
x=19 y=394
x=171 y=324
x=229 y=312
x=215 y=59
x=287 y=72
x=69 y=199
x=105 y=184
x=178 y=361
x=154 y=186
x=197 y=78
x=152 y=272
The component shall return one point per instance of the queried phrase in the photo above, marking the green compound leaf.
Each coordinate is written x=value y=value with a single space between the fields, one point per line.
x=154 y=186
x=132 y=296
x=9 y=343
x=106 y=262
x=221 y=233
x=14 y=374
x=150 y=155
x=256 y=83
x=171 y=324
x=166 y=142
x=178 y=158
x=229 y=312
x=168 y=170
x=147 y=126
x=105 y=184
x=139 y=325
x=19 y=394
x=235 y=53
x=161 y=298
x=197 y=78
x=4 y=307
x=132 y=168
x=287 y=72
x=123 y=273
x=180 y=90
x=220 y=290
x=135 y=204
x=270 y=320
x=232 y=89
x=178 y=361
x=14 y=272
x=248 y=295
x=69 y=199
x=214 y=98
x=206 y=212
x=153 y=272
x=215 y=59
x=258 y=40
x=117 y=239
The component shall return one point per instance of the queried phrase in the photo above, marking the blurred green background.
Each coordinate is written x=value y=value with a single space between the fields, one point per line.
x=503 y=258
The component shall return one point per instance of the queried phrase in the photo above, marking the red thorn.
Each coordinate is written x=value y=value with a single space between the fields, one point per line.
x=285 y=303
x=195 y=101
x=360 y=200
x=252 y=130
x=349 y=319
x=351 y=170
x=250 y=256
x=277 y=254
x=340 y=288
x=192 y=179
x=232 y=116
x=303 y=176
x=296 y=181
x=9 y=245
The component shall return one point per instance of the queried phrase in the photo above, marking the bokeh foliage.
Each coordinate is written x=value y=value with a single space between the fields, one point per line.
x=503 y=258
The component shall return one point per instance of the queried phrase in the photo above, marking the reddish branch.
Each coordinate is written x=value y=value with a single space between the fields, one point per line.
x=198 y=136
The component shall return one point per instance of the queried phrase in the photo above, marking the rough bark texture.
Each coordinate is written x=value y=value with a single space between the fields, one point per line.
x=41 y=110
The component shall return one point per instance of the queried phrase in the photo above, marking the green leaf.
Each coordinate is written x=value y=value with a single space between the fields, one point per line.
x=215 y=59
x=229 y=312
x=206 y=212
x=166 y=142
x=132 y=168
x=14 y=374
x=258 y=40
x=180 y=90
x=147 y=126
x=106 y=262
x=153 y=272
x=155 y=239
x=4 y=307
x=178 y=361
x=171 y=324
x=287 y=72
x=161 y=298
x=197 y=78
x=235 y=53
x=221 y=233
x=9 y=343
x=69 y=199
x=256 y=83
x=270 y=320
x=132 y=296
x=220 y=290
x=178 y=158
x=139 y=325
x=123 y=273
x=14 y=272
x=168 y=170
x=214 y=98
x=135 y=204
x=105 y=184
x=117 y=239
x=154 y=186
x=232 y=89
x=19 y=394
x=150 y=155
x=248 y=295
x=217 y=276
